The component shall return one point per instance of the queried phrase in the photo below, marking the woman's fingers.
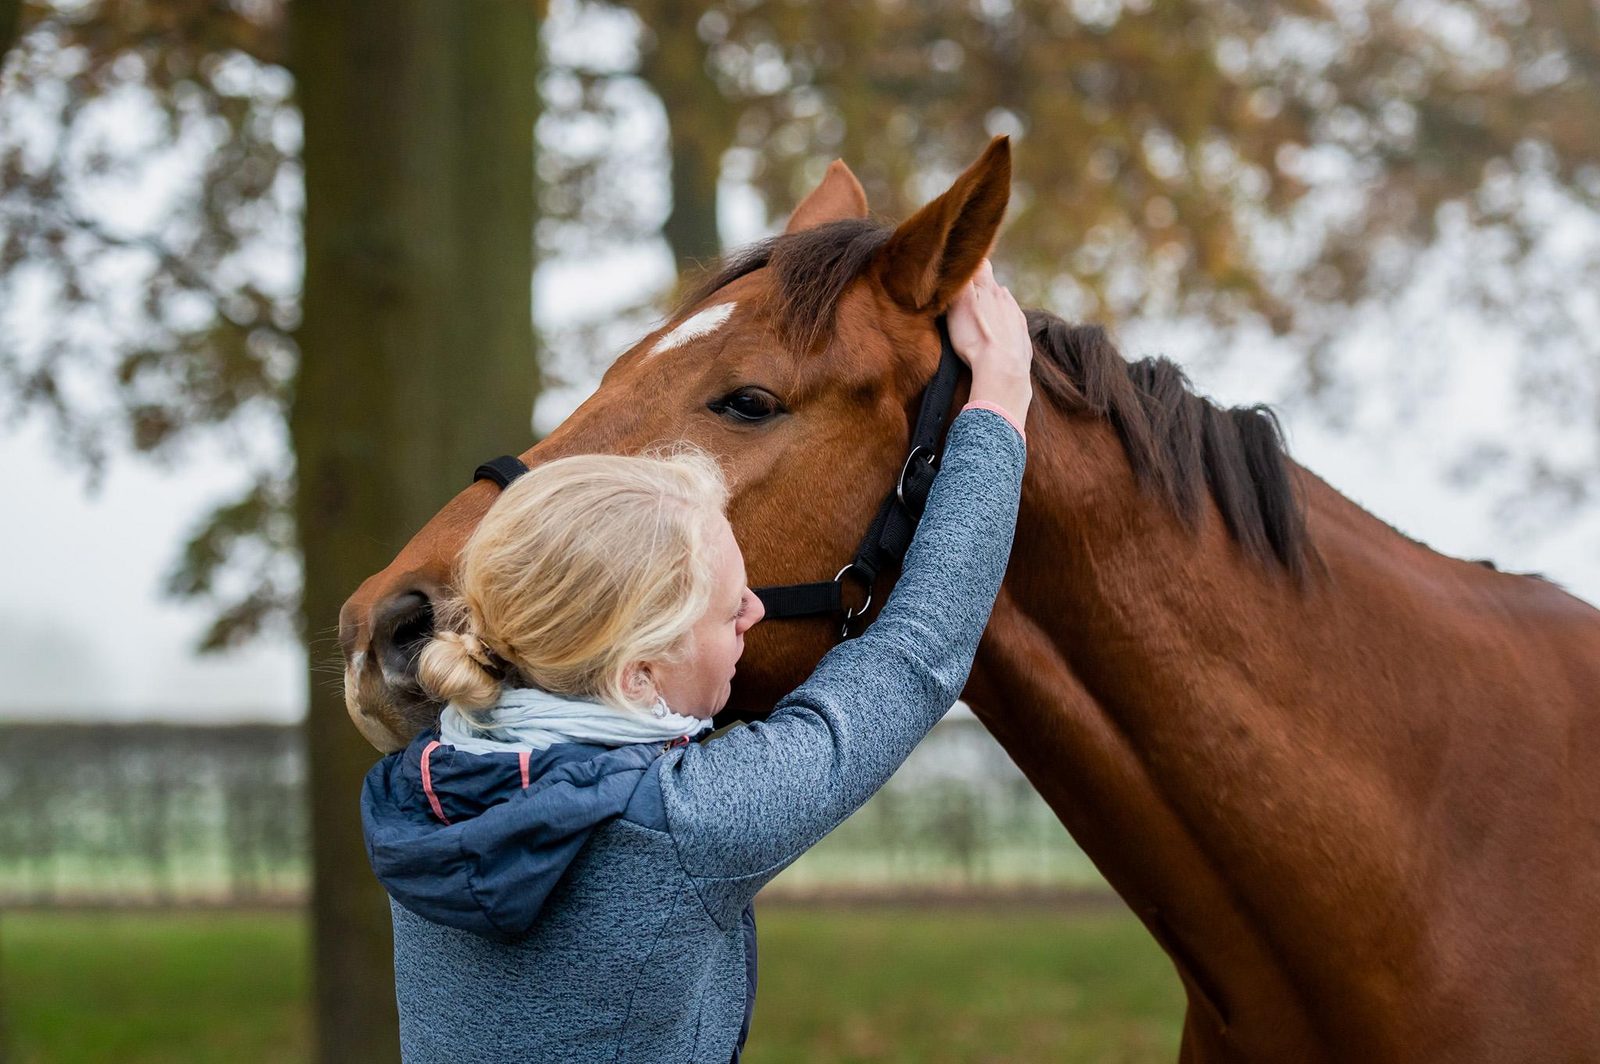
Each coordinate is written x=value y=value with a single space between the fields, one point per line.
x=987 y=325
x=990 y=333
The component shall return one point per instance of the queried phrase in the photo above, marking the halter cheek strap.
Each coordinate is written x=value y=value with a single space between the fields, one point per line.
x=889 y=536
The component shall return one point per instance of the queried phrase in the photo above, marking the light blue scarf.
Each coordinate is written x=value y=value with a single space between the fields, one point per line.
x=527 y=718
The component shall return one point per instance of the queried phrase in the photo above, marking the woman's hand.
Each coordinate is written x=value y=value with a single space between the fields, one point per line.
x=990 y=334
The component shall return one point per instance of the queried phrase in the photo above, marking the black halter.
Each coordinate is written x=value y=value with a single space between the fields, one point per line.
x=889 y=535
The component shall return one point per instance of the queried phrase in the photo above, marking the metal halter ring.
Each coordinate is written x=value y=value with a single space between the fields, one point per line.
x=900 y=487
x=851 y=614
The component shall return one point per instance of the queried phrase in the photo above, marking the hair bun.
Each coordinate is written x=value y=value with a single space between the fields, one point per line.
x=460 y=667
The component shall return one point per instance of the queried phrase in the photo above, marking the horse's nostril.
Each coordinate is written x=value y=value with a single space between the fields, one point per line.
x=400 y=627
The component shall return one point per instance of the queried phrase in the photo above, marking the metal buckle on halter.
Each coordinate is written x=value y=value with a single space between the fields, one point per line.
x=931 y=457
x=851 y=613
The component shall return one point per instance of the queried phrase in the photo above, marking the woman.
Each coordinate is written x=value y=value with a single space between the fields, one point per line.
x=571 y=878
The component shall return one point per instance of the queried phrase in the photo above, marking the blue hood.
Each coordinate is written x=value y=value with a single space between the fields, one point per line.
x=489 y=863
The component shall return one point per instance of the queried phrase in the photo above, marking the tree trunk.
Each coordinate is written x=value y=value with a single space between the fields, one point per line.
x=700 y=124
x=417 y=363
x=10 y=26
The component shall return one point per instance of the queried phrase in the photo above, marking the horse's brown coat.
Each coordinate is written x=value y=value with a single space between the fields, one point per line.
x=1360 y=808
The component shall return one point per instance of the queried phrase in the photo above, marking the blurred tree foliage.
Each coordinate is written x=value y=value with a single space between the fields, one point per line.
x=1167 y=148
x=170 y=325
x=1230 y=160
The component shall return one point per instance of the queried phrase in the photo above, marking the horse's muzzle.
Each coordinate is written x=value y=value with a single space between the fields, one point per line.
x=381 y=692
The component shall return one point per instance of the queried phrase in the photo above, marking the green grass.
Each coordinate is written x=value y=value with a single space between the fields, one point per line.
x=925 y=984
x=941 y=985
x=143 y=988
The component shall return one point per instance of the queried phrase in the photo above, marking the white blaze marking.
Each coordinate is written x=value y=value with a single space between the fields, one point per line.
x=707 y=321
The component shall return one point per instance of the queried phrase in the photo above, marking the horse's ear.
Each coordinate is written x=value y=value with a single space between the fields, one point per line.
x=839 y=196
x=938 y=249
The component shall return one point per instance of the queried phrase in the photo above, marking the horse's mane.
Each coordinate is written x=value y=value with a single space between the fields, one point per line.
x=1179 y=444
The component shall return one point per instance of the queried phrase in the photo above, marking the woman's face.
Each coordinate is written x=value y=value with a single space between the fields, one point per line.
x=698 y=685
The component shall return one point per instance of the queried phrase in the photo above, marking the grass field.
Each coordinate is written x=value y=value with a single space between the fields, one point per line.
x=927 y=984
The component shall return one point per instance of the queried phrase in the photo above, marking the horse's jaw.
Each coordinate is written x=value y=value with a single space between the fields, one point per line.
x=387 y=713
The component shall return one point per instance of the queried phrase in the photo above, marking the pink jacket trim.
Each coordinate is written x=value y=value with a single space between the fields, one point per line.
x=427 y=782
x=979 y=404
x=522 y=758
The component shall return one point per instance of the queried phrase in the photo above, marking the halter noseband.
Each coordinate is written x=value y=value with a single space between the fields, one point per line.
x=889 y=535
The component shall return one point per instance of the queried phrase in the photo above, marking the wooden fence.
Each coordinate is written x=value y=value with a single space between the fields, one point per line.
x=166 y=814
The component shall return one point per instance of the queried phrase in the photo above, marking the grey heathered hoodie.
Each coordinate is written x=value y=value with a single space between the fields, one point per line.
x=601 y=910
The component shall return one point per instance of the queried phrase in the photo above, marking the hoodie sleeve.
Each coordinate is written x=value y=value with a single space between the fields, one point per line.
x=745 y=805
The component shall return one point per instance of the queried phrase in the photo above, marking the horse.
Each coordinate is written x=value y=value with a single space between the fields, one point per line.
x=1348 y=783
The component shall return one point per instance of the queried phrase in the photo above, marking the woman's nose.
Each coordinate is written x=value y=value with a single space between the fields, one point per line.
x=755 y=611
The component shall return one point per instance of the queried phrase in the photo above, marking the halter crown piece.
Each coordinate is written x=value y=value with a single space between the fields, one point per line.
x=888 y=537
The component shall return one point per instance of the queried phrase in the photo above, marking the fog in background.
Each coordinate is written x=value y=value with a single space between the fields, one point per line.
x=1424 y=386
x=86 y=632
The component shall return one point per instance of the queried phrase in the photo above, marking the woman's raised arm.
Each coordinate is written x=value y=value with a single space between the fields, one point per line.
x=743 y=806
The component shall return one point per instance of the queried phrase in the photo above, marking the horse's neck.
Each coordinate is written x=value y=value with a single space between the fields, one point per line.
x=1230 y=748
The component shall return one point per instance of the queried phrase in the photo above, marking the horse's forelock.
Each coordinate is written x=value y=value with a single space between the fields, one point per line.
x=811 y=270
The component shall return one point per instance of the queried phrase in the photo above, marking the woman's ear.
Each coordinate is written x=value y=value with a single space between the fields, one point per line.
x=638 y=682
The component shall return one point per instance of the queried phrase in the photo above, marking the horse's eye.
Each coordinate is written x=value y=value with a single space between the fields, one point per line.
x=748 y=405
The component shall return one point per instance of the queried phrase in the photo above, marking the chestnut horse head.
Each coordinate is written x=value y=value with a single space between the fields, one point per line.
x=799 y=365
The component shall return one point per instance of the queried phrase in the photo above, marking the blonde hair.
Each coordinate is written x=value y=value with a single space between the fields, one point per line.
x=583 y=567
